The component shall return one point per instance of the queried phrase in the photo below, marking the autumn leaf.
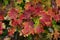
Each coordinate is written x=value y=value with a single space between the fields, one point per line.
x=13 y=13
x=58 y=2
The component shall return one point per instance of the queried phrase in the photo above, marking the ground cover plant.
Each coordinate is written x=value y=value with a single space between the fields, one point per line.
x=29 y=19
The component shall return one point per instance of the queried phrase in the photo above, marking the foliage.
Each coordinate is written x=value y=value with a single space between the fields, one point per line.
x=29 y=19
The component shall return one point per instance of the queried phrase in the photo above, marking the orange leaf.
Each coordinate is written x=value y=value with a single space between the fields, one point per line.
x=58 y=2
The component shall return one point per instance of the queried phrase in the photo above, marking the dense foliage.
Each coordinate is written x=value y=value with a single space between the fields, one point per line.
x=29 y=19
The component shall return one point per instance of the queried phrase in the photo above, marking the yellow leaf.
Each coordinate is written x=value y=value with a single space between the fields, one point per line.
x=19 y=1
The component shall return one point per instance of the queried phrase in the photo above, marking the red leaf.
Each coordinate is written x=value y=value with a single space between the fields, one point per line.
x=56 y=17
x=13 y=23
x=1 y=17
x=13 y=13
x=11 y=31
x=39 y=29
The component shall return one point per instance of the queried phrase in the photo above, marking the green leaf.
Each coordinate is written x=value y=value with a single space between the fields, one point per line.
x=6 y=2
x=16 y=35
x=36 y=21
x=29 y=37
x=55 y=25
x=5 y=32
x=44 y=36
x=54 y=22
x=46 y=29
